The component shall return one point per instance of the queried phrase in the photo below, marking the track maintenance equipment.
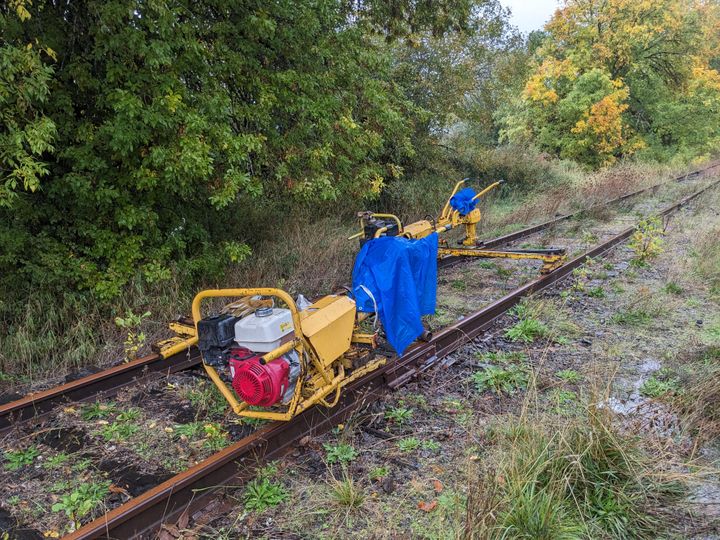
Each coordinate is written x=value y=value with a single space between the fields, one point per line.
x=274 y=362
x=459 y=210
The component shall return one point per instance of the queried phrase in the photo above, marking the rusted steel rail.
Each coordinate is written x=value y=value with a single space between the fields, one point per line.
x=191 y=490
x=110 y=381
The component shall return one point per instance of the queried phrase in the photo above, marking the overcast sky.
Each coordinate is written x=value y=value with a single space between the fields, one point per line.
x=529 y=15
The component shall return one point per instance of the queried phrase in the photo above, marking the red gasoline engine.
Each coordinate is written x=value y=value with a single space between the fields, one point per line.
x=256 y=383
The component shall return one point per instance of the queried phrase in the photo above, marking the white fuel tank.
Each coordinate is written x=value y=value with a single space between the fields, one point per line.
x=263 y=331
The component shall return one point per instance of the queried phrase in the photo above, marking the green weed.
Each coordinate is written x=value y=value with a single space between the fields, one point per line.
x=673 y=288
x=97 y=411
x=398 y=415
x=81 y=501
x=118 y=431
x=340 y=453
x=378 y=472
x=17 y=459
x=215 y=438
x=261 y=494
x=408 y=444
x=655 y=387
x=632 y=317
x=502 y=380
x=568 y=375
x=596 y=292
x=56 y=461
x=527 y=330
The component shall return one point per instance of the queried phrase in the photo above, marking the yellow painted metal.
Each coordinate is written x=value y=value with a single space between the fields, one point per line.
x=551 y=261
x=329 y=327
x=367 y=339
x=322 y=335
x=419 y=229
x=182 y=329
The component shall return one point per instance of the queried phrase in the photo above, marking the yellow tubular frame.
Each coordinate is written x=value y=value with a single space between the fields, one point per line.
x=333 y=383
x=298 y=344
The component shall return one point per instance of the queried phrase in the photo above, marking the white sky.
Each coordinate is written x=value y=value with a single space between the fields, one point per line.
x=530 y=15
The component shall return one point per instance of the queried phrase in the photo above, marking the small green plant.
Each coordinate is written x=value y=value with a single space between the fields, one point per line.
x=215 y=438
x=347 y=493
x=564 y=400
x=129 y=416
x=134 y=338
x=97 y=411
x=632 y=317
x=191 y=430
x=673 y=288
x=269 y=470
x=261 y=494
x=207 y=400
x=433 y=446
x=82 y=465
x=502 y=380
x=118 y=431
x=459 y=285
x=647 y=240
x=596 y=292
x=503 y=357
x=340 y=453
x=409 y=444
x=378 y=472
x=503 y=273
x=568 y=375
x=18 y=459
x=56 y=461
x=398 y=415
x=655 y=387
x=81 y=501
x=527 y=330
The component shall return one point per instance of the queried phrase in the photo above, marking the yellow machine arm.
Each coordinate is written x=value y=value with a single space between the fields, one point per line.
x=376 y=225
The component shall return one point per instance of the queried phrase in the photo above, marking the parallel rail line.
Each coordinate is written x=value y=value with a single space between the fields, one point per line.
x=192 y=489
x=109 y=382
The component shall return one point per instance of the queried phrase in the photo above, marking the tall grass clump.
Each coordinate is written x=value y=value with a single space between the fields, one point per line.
x=707 y=263
x=556 y=479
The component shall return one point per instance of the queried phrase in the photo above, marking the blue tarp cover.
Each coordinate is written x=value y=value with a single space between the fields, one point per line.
x=401 y=274
x=462 y=201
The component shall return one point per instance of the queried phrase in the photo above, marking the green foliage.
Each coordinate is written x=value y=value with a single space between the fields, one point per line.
x=673 y=288
x=134 y=338
x=632 y=317
x=568 y=375
x=261 y=494
x=83 y=500
x=575 y=478
x=56 y=461
x=647 y=240
x=659 y=386
x=17 y=459
x=398 y=415
x=215 y=437
x=97 y=410
x=408 y=444
x=145 y=140
x=527 y=330
x=502 y=380
x=340 y=453
x=378 y=472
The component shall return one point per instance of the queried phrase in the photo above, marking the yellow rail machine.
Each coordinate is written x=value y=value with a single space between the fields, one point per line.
x=375 y=225
x=274 y=362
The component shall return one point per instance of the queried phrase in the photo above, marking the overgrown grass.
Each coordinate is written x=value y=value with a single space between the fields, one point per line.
x=575 y=478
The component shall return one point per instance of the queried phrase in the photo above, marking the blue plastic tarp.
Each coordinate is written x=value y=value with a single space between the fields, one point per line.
x=401 y=277
x=463 y=202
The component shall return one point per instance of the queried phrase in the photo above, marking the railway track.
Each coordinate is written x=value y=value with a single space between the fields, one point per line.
x=39 y=405
x=190 y=490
